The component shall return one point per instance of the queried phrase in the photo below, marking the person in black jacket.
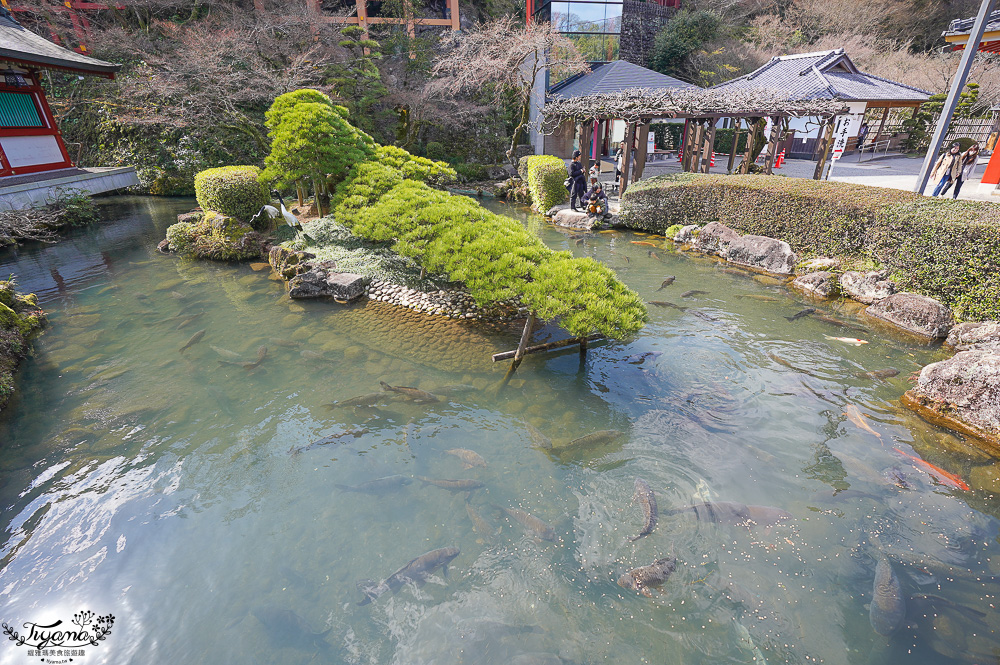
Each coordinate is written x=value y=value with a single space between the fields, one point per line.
x=597 y=201
x=577 y=180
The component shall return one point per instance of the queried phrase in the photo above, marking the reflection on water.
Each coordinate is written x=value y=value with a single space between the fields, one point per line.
x=193 y=452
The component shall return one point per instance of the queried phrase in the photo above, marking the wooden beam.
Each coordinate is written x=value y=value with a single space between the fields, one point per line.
x=824 y=149
x=881 y=125
x=586 y=130
x=696 y=147
x=641 y=149
x=453 y=15
x=685 y=146
x=549 y=346
x=751 y=141
x=519 y=352
x=736 y=143
x=772 y=145
x=706 y=158
x=627 y=161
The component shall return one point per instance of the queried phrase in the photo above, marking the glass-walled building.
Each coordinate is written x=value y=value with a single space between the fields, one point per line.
x=595 y=27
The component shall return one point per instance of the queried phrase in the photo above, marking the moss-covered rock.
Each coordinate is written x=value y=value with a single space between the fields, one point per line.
x=20 y=319
x=216 y=237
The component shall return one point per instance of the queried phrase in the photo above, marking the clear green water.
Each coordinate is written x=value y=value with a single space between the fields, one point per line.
x=181 y=494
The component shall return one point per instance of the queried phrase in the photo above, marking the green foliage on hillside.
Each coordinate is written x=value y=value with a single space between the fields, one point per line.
x=686 y=33
x=943 y=248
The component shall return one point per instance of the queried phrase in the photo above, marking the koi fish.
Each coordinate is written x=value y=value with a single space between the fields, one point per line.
x=854 y=415
x=946 y=477
x=643 y=242
x=847 y=340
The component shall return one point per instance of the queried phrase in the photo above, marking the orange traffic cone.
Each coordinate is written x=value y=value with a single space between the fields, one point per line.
x=780 y=160
x=712 y=162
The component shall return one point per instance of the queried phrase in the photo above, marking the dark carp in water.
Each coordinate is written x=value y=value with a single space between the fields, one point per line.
x=665 y=303
x=539 y=439
x=480 y=525
x=837 y=322
x=470 y=458
x=531 y=524
x=261 y=354
x=370 y=399
x=327 y=440
x=416 y=571
x=806 y=312
x=638 y=358
x=414 y=394
x=693 y=292
x=286 y=628
x=644 y=578
x=195 y=338
x=595 y=439
x=667 y=282
x=888 y=607
x=460 y=485
x=647 y=499
x=382 y=485
x=734 y=514
x=878 y=374
x=189 y=320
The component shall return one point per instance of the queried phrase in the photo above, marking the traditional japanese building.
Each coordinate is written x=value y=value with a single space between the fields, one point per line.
x=33 y=156
x=880 y=103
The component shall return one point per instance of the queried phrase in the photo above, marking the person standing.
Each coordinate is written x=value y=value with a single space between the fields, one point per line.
x=970 y=160
x=947 y=168
x=619 y=163
x=577 y=180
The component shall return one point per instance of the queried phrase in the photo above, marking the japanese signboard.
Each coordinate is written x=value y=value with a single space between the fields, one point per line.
x=846 y=127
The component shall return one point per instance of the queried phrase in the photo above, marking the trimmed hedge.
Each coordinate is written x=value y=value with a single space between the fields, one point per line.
x=946 y=249
x=546 y=175
x=496 y=257
x=234 y=191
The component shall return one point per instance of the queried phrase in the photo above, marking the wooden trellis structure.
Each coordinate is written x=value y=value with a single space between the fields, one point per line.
x=701 y=110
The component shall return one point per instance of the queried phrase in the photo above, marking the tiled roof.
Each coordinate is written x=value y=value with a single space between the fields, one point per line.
x=963 y=26
x=26 y=48
x=824 y=75
x=610 y=77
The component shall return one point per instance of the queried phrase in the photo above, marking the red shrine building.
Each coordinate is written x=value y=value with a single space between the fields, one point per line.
x=33 y=156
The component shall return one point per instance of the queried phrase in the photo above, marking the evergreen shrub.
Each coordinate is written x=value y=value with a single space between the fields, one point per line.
x=435 y=173
x=943 y=248
x=545 y=177
x=495 y=256
x=234 y=191
x=435 y=150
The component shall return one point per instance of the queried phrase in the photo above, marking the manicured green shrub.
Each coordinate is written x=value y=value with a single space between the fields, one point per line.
x=234 y=191
x=545 y=177
x=284 y=103
x=946 y=249
x=314 y=142
x=437 y=174
x=435 y=150
x=494 y=256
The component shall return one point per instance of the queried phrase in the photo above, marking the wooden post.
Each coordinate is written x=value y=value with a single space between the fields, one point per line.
x=583 y=348
x=641 y=151
x=522 y=345
x=585 y=147
x=881 y=125
x=736 y=143
x=453 y=11
x=824 y=148
x=699 y=137
x=627 y=161
x=685 y=147
x=772 y=145
x=709 y=146
x=549 y=346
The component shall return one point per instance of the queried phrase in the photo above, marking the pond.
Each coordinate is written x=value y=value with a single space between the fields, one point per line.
x=177 y=459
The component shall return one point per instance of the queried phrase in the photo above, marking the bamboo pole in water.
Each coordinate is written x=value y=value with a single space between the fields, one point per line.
x=519 y=353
